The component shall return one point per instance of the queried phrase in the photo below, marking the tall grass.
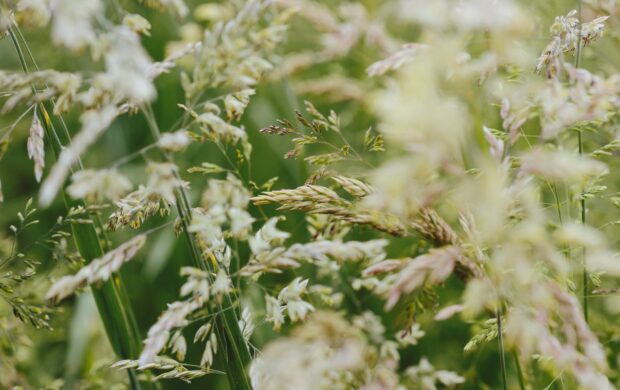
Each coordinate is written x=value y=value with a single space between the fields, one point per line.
x=111 y=297
x=237 y=354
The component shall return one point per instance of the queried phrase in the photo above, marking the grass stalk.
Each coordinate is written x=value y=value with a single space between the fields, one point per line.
x=520 y=375
x=582 y=202
x=110 y=296
x=500 y=344
x=236 y=352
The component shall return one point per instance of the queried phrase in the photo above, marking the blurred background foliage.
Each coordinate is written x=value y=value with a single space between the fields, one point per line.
x=76 y=347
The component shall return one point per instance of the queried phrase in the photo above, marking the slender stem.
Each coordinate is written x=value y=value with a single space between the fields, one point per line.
x=500 y=343
x=582 y=201
x=520 y=375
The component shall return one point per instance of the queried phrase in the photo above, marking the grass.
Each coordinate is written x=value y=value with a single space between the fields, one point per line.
x=236 y=355
x=110 y=296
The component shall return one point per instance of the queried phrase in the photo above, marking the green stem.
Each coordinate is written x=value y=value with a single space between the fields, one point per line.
x=520 y=376
x=110 y=296
x=500 y=342
x=236 y=353
x=582 y=201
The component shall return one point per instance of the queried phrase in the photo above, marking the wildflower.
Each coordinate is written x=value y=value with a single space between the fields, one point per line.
x=448 y=312
x=424 y=374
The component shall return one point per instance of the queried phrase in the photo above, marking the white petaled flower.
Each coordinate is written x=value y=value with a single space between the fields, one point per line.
x=96 y=186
